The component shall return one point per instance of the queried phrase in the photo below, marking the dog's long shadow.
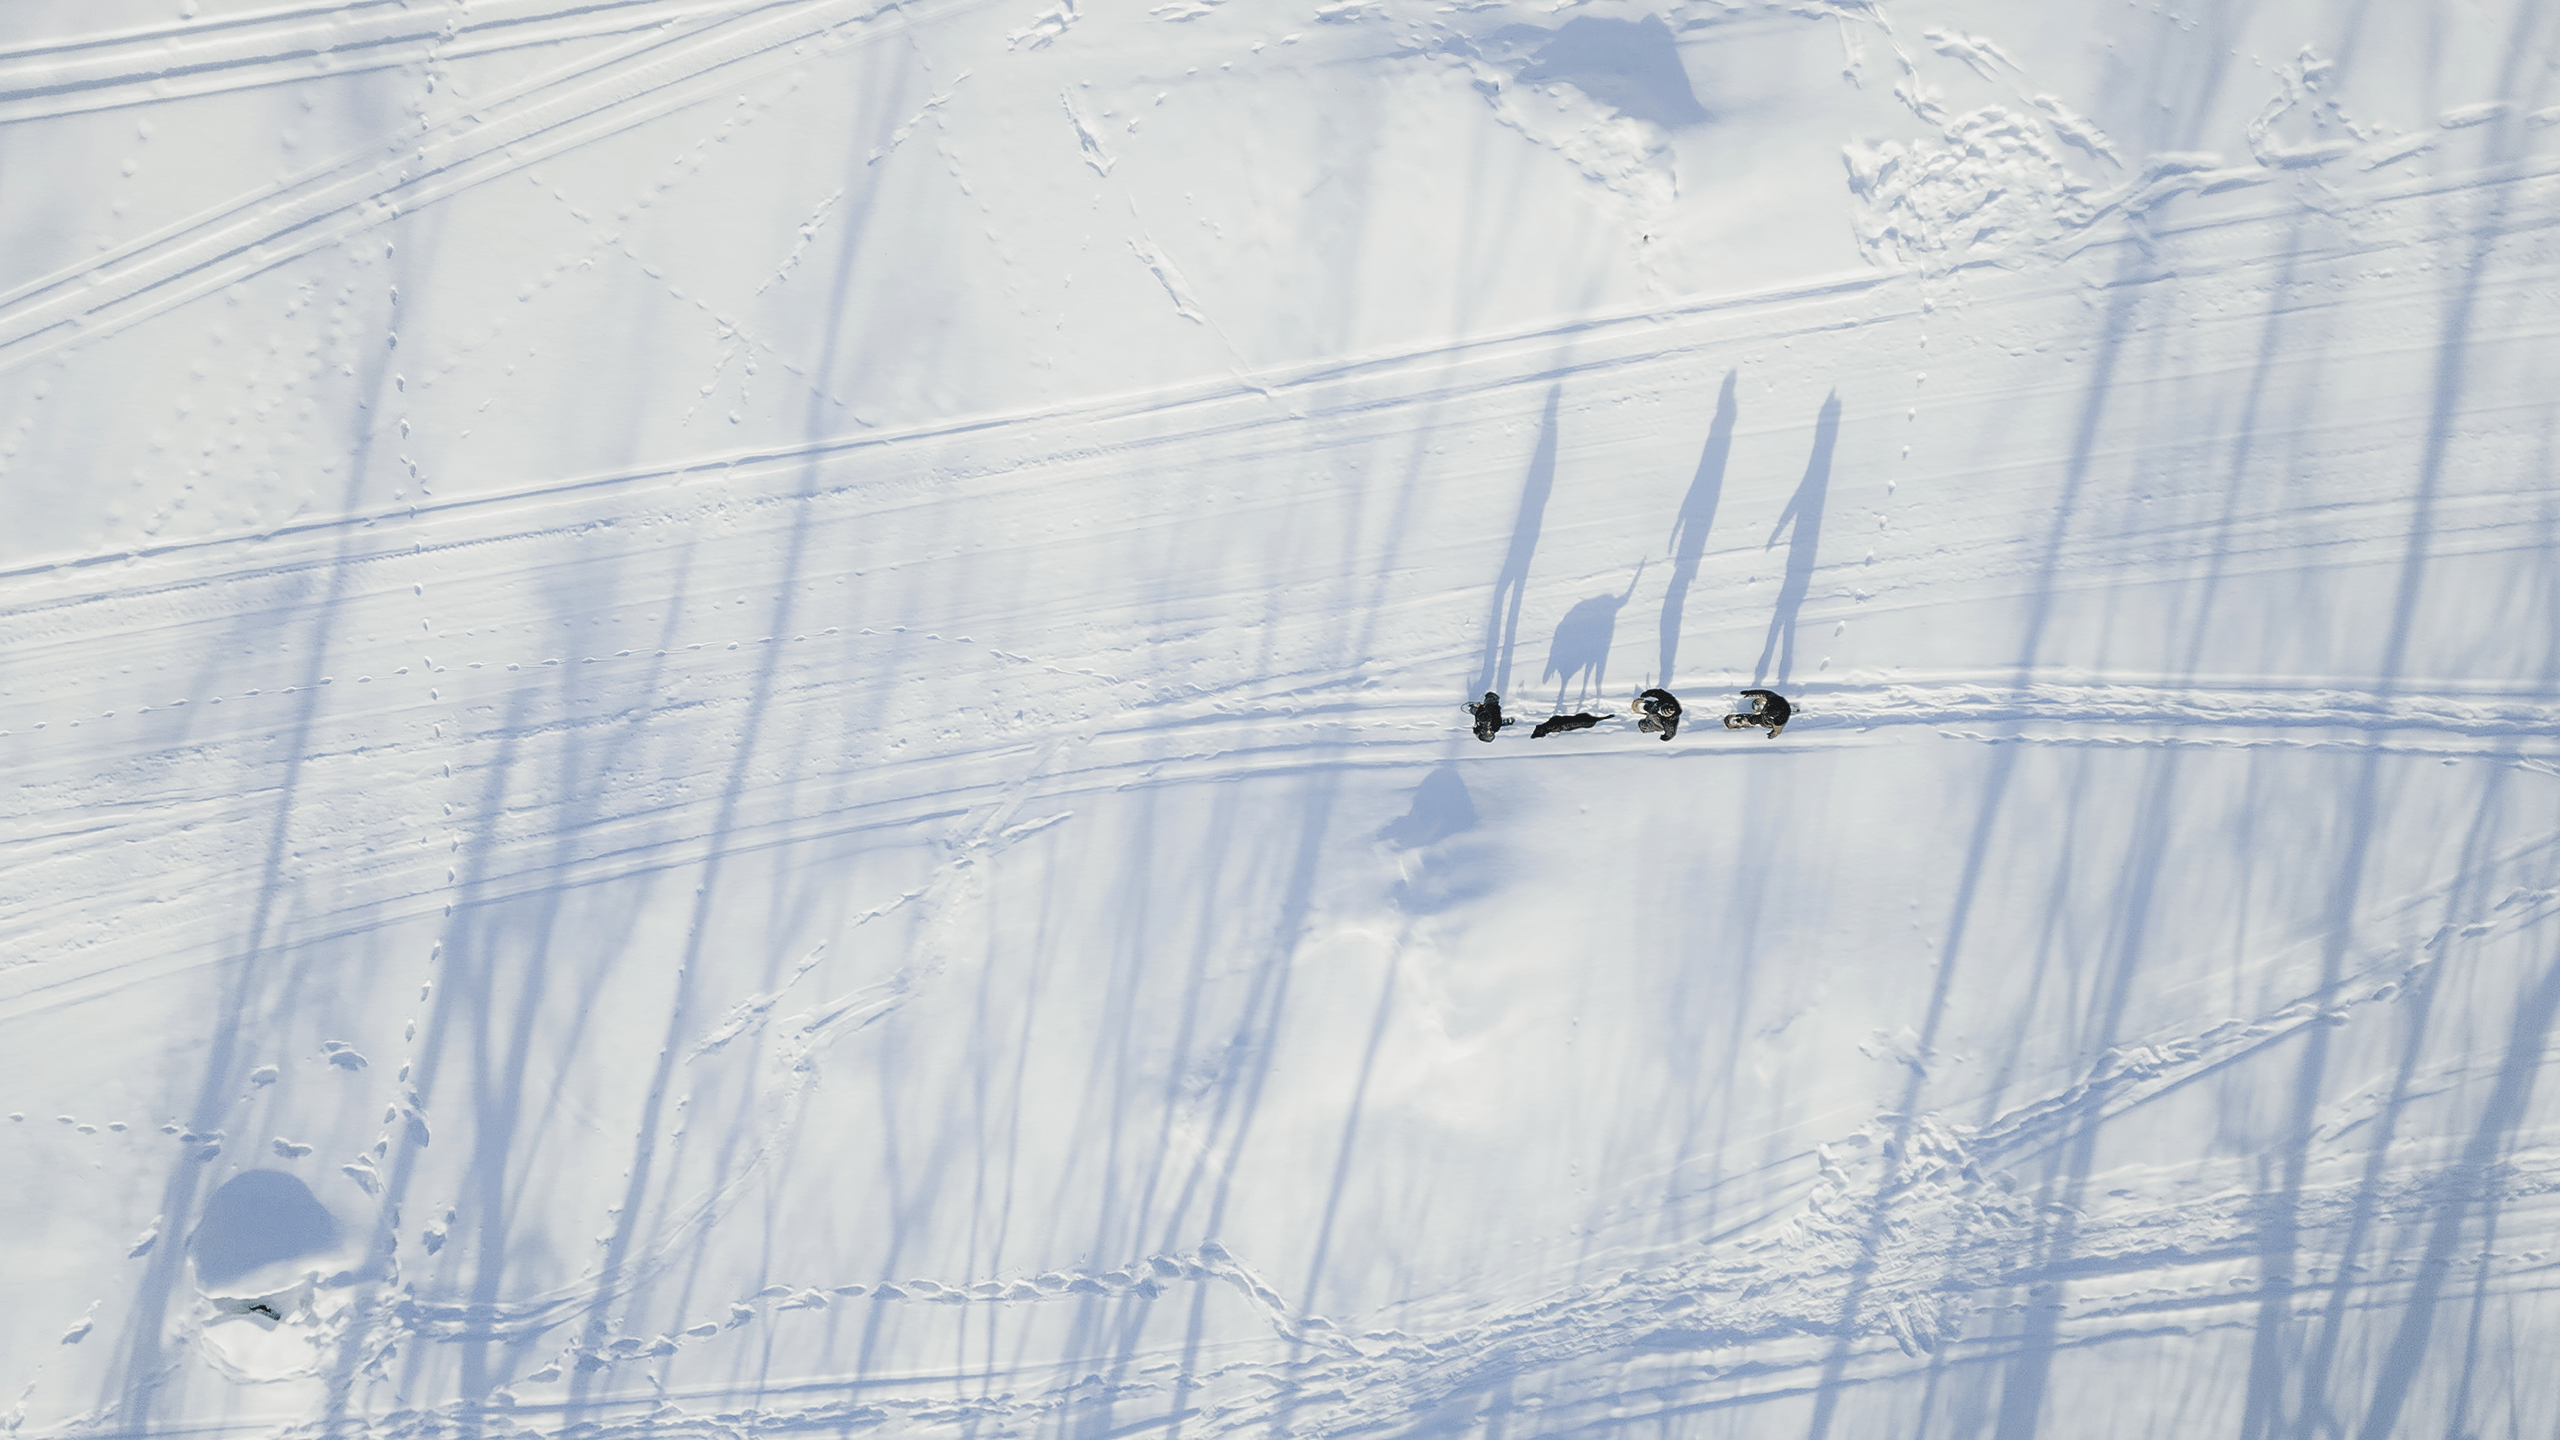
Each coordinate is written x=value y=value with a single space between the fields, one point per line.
x=1580 y=649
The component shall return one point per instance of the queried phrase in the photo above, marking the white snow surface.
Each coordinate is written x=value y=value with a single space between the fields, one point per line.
x=742 y=717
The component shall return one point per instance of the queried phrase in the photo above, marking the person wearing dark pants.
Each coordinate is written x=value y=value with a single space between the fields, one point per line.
x=1769 y=710
x=1661 y=712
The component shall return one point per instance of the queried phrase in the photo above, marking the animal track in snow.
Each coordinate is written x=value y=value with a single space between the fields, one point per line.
x=487 y=136
x=1088 y=136
x=1148 y=1278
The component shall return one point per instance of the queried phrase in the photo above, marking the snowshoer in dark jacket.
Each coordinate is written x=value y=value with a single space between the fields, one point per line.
x=1489 y=716
x=1661 y=712
x=1555 y=723
x=1769 y=710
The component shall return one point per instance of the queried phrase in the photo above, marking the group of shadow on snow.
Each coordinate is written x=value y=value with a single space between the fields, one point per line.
x=1584 y=636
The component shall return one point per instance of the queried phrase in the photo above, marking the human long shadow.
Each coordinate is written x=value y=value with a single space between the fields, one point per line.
x=1502 y=628
x=1802 y=523
x=1689 y=529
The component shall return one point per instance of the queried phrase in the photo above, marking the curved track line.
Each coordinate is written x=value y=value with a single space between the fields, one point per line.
x=632 y=84
x=214 y=56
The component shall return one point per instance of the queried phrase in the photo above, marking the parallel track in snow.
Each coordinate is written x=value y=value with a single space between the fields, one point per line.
x=695 y=53
x=803 y=656
x=213 y=55
x=1285 y=731
x=1889 y=1243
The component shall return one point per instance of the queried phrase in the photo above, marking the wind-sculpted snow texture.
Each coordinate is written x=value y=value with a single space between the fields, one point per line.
x=736 y=717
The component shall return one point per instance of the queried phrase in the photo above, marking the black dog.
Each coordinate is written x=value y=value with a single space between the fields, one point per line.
x=1489 y=717
x=1661 y=712
x=1555 y=723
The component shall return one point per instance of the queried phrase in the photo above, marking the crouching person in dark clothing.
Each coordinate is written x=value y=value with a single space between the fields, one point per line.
x=1768 y=710
x=1489 y=716
x=1661 y=712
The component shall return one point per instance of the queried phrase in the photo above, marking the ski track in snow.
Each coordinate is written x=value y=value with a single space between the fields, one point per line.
x=1756 y=1315
x=105 y=70
x=686 y=57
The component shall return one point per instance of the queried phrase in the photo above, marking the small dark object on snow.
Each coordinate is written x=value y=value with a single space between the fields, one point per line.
x=1555 y=723
x=1769 y=709
x=1489 y=716
x=1661 y=712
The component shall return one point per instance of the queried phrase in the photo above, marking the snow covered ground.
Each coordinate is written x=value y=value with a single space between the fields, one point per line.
x=729 y=717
